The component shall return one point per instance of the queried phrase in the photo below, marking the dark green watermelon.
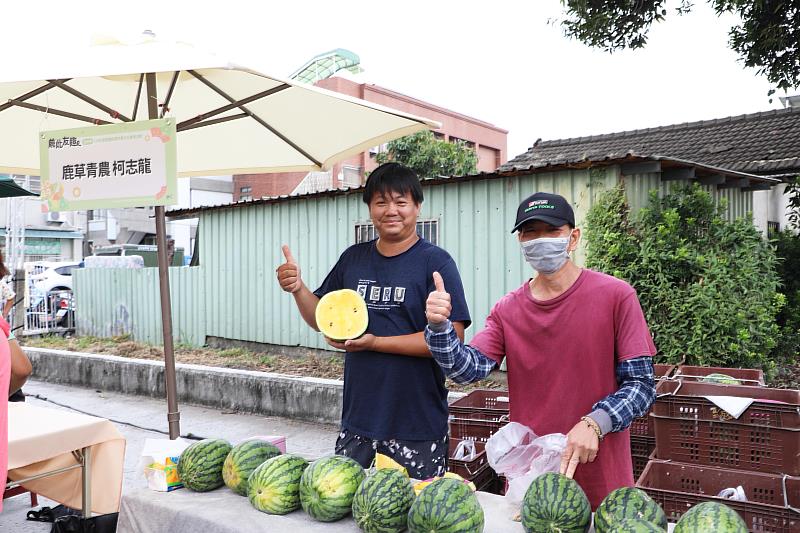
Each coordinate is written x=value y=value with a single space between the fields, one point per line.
x=243 y=459
x=446 y=506
x=711 y=517
x=274 y=486
x=723 y=379
x=382 y=502
x=200 y=465
x=627 y=502
x=327 y=487
x=635 y=525
x=555 y=504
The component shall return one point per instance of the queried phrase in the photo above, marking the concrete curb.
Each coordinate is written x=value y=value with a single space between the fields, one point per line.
x=300 y=398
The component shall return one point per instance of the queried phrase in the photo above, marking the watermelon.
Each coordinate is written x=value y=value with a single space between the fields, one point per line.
x=200 y=465
x=446 y=506
x=627 y=502
x=274 y=486
x=328 y=485
x=382 y=502
x=555 y=504
x=635 y=525
x=342 y=315
x=243 y=459
x=723 y=379
x=711 y=517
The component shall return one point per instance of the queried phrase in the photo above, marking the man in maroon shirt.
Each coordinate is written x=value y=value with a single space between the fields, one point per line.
x=576 y=344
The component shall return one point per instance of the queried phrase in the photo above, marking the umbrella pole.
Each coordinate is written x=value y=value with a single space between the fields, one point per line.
x=173 y=415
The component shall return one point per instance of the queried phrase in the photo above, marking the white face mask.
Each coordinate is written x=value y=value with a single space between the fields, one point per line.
x=547 y=254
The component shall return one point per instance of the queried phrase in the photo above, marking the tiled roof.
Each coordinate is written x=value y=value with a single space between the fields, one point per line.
x=766 y=143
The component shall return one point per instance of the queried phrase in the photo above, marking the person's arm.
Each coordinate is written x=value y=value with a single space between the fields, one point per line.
x=20 y=367
x=288 y=275
x=461 y=362
x=615 y=412
x=8 y=306
x=636 y=393
x=413 y=344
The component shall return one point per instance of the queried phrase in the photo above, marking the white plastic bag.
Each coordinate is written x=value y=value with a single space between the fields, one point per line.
x=517 y=453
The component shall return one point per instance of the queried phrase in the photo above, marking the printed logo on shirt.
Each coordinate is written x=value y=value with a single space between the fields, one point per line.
x=387 y=294
x=399 y=294
x=362 y=290
x=375 y=294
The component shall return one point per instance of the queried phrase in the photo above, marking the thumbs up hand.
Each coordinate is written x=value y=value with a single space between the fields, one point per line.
x=437 y=308
x=289 y=273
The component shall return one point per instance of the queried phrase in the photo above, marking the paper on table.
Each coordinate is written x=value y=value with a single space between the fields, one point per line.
x=732 y=405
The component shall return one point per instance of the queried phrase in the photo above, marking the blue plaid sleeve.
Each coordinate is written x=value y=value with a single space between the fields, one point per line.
x=461 y=362
x=636 y=378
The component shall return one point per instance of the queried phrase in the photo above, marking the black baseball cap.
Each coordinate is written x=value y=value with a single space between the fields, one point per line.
x=550 y=208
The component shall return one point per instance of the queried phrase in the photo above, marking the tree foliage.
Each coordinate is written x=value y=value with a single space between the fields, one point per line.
x=430 y=157
x=766 y=38
x=708 y=286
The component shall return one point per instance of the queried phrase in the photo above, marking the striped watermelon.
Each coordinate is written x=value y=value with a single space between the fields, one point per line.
x=200 y=465
x=555 y=504
x=328 y=485
x=274 y=486
x=635 y=525
x=243 y=459
x=711 y=517
x=446 y=506
x=382 y=502
x=627 y=502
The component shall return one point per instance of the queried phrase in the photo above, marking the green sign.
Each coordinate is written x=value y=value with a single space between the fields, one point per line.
x=116 y=165
x=42 y=246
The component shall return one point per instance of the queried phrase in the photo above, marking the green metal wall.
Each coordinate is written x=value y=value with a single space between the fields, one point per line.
x=234 y=294
x=118 y=301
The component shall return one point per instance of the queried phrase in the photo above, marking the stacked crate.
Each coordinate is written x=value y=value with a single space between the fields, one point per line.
x=702 y=450
x=476 y=417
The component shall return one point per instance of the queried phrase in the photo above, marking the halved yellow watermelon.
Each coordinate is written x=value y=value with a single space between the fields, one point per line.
x=342 y=315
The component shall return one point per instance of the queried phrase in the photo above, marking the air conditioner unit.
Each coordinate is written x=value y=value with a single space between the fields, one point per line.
x=55 y=216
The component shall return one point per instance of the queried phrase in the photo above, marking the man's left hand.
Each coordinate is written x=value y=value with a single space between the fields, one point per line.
x=364 y=342
x=582 y=446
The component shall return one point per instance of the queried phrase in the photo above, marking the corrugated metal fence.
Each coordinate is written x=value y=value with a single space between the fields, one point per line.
x=234 y=295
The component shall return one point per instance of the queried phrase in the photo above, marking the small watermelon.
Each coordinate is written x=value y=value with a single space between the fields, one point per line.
x=446 y=506
x=635 y=525
x=711 y=517
x=274 y=486
x=200 y=465
x=328 y=485
x=627 y=502
x=382 y=502
x=555 y=504
x=342 y=315
x=243 y=459
x=723 y=379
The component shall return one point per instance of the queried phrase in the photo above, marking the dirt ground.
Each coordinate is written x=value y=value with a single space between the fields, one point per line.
x=331 y=367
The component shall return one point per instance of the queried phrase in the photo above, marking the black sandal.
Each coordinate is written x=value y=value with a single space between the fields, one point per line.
x=45 y=514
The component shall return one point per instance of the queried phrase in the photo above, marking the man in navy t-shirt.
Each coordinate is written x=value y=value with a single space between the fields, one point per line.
x=395 y=400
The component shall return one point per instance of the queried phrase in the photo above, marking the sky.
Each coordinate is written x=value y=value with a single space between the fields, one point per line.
x=505 y=62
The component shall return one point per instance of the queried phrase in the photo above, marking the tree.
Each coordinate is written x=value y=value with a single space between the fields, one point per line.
x=708 y=286
x=766 y=39
x=430 y=157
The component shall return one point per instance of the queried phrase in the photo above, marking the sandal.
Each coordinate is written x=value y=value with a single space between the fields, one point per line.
x=45 y=514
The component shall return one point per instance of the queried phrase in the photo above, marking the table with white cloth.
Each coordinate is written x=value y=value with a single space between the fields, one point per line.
x=223 y=511
x=71 y=458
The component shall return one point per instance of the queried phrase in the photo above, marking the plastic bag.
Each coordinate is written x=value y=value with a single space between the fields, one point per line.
x=517 y=453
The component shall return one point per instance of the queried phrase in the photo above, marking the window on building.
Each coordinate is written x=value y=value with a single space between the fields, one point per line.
x=245 y=198
x=468 y=144
x=427 y=229
x=32 y=183
x=773 y=228
x=351 y=176
x=245 y=190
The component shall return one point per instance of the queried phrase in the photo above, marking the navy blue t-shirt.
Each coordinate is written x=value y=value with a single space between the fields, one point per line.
x=390 y=396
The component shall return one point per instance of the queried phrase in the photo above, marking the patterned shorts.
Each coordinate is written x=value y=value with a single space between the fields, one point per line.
x=422 y=458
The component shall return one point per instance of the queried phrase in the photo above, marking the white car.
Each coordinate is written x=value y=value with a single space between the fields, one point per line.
x=53 y=275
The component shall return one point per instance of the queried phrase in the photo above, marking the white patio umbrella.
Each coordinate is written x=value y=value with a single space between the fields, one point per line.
x=230 y=119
